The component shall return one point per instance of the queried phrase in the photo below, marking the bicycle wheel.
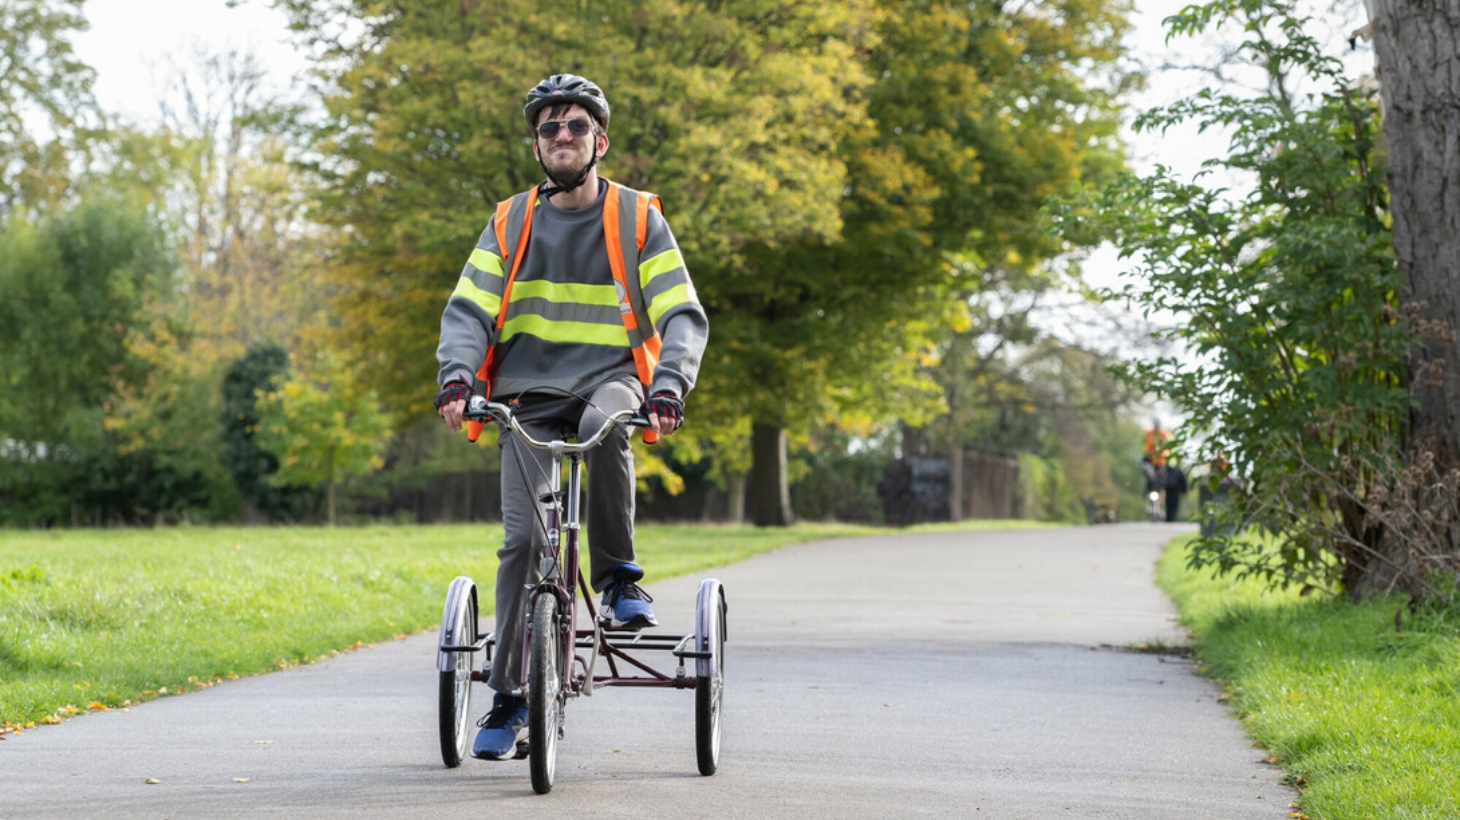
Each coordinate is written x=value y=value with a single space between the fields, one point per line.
x=710 y=675
x=458 y=628
x=544 y=694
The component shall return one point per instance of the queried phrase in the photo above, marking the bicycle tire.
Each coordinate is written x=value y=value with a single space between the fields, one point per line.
x=454 y=694
x=710 y=689
x=544 y=694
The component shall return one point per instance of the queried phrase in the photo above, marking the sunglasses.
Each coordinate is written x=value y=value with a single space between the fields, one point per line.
x=578 y=127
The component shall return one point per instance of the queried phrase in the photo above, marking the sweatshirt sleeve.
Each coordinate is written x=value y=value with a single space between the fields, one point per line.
x=470 y=319
x=673 y=307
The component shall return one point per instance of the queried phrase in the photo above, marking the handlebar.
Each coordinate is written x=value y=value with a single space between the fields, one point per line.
x=481 y=410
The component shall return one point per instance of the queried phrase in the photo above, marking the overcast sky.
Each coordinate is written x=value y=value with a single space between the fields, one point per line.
x=129 y=41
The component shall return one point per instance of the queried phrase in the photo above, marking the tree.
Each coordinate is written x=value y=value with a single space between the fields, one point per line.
x=252 y=467
x=46 y=107
x=817 y=161
x=726 y=110
x=76 y=285
x=322 y=426
x=1416 y=44
x=221 y=178
x=41 y=83
x=978 y=112
x=1288 y=299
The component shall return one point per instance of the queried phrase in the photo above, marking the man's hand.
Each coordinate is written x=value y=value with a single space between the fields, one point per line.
x=451 y=403
x=665 y=412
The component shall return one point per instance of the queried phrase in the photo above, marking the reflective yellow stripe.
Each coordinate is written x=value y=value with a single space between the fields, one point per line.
x=486 y=262
x=484 y=299
x=564 y=293
x=565 y=332
x=674 y=297
x=660 y=263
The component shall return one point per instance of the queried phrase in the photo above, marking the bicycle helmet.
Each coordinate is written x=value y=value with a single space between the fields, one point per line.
x=565 y=89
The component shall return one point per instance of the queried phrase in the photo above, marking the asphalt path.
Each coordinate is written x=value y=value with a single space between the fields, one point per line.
x=973 y=674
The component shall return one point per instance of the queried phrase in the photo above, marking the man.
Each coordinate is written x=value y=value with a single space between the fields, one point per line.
x=576 y=303
x=1153 y=466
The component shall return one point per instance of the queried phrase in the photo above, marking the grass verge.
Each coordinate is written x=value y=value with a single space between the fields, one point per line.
x=1361 y=710
x=97 y=619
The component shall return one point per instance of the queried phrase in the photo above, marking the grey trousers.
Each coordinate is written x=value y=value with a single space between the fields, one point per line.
x=609 y=511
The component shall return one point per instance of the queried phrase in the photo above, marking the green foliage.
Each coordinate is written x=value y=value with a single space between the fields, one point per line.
x=839 y=482
x=77 y=286
x=1047 y=495
x=1356 y=702
x=322 y=426
x=250 y=465
x=727 y=110
x=1285 y=297
x=818 y=161
x=46 y=107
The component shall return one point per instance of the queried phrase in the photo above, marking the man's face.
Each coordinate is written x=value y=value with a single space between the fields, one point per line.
x=564 y=155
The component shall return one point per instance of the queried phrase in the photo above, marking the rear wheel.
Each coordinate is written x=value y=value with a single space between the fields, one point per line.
x=458 y=628
x=710 y=685
x=544 y=693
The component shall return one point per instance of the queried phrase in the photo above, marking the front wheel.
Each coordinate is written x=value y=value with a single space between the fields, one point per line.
x=710 y=675
x=544 y=693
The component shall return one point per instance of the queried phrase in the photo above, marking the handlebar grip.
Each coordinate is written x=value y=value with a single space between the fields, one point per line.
x=474 y=430
x=650 y=436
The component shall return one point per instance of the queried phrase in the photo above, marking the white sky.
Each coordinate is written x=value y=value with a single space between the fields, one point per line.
x=129 y=41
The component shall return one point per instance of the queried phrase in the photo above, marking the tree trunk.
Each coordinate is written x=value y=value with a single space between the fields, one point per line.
x=1417 y=45
x=955 y=480
x=770 y=493
x=330 y=496
x=735 y=488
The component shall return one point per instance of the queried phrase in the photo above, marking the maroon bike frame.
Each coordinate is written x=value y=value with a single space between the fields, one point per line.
x=560 y=562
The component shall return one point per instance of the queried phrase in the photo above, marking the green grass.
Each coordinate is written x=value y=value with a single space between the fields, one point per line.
x=1364 y=717
x=93 y=619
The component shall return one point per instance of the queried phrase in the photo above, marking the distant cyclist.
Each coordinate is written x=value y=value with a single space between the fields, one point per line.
x=576 y=302
x=1153 y=466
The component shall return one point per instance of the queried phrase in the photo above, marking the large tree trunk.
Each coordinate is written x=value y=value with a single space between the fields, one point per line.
x=1417 y=43
x=770 y=494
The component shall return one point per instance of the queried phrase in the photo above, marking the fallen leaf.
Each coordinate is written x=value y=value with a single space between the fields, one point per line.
x=152 y=781
x=263 y=742
x=240 y=780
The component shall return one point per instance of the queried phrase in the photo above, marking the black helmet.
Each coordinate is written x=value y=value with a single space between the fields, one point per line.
x=565 y=89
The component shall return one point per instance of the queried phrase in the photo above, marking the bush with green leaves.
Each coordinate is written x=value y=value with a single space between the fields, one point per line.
x=1291 y=337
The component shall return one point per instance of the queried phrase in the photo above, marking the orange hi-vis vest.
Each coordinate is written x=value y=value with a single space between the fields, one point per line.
x=512 y=224
x=1154 y=440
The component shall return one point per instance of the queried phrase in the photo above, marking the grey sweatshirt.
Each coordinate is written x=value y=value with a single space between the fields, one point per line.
x=563 y=328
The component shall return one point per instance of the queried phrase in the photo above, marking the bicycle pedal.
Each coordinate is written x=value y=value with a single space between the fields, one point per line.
x=522 y=750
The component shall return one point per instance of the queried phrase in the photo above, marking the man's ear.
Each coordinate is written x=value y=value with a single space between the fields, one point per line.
x=602 y=145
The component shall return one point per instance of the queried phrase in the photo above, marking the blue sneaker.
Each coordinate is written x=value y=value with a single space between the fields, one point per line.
x=625 y=606
x=498 y=738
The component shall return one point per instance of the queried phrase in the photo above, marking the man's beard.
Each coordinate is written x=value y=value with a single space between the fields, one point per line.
x=568 y=174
